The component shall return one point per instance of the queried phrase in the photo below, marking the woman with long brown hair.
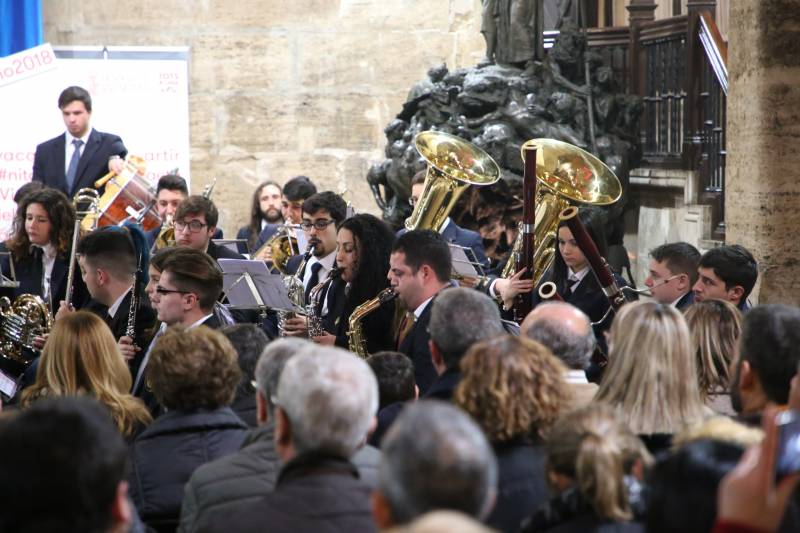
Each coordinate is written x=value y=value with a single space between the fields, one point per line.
x=81 y=357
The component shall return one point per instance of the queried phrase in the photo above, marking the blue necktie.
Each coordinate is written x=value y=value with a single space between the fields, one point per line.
x=72 y=170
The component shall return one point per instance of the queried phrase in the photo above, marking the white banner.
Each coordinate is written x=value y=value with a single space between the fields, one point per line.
x=138 y=93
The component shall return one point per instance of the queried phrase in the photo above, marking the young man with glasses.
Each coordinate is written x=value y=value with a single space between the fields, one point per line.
x=673 y=272
x=322 y=214
x=195 y=224
x=190 y=284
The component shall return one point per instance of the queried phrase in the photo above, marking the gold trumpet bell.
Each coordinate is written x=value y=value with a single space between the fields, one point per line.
x=453 y=165
x=573 y=173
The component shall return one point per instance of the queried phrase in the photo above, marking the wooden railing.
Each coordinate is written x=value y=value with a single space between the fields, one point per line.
x=678 y=67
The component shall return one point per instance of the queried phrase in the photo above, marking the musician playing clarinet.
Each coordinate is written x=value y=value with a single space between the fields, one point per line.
x=81 y=155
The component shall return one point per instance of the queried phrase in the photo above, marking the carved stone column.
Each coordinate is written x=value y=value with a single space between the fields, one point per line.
x=762 y=193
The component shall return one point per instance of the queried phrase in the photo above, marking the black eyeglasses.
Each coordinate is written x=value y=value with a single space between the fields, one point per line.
x=194 y=225
x=319 y=224
x=162 y=290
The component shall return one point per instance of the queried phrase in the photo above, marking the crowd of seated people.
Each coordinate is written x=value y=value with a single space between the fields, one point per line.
x=192 y=423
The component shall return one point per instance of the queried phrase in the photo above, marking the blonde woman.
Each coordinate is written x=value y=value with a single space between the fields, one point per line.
x=714 y=327
x=651 y=377
x=81 y=357
x=514 y=389
x=595 y=465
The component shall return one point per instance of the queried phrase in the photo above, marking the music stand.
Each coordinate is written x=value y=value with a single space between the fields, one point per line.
x=232 y=244
x=5 y=281
x=464 y=262
x=249 y=285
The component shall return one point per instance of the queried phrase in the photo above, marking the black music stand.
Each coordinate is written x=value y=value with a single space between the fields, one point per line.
x=249 y=285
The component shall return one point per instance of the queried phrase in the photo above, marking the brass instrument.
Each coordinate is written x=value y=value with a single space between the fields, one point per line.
x=282 y=245
x=356 y=342
x=565 y=173
x=315 y=328
x=453 y=165
x=296 y=289
x=86 y=203
x=165 y=237
x=22 y=321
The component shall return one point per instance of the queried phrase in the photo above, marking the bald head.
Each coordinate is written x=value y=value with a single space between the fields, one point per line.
x=564 y=329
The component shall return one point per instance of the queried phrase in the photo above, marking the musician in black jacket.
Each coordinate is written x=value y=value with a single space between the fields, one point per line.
x=419 y=268
x=40 y=249
x=364 y=244
x=196 y=224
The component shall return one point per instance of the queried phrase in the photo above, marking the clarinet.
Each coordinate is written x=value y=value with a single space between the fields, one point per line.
x=130 y=329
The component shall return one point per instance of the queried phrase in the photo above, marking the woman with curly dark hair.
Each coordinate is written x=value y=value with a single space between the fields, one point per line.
x=193 y=374
x=40 y=248
x=513 y=388
x=362 y=259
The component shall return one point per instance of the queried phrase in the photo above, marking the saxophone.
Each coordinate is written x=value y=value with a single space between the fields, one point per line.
x=296 y=289
x=315 y=328
x=356 y=342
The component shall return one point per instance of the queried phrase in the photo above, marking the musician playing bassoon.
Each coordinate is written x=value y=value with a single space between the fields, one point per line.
x=40 y=249
x=362 y=258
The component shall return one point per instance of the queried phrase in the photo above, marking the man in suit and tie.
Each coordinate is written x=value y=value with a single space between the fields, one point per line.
x=419 y=268
x=82 y=155
x=452 y=232
x=673 y=272
x=190 y=284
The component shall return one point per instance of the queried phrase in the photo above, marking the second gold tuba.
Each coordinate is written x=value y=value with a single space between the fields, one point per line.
x=565 y=175
x=453 y=165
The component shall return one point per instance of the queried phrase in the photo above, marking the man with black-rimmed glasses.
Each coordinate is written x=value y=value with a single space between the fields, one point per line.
x=195 y=224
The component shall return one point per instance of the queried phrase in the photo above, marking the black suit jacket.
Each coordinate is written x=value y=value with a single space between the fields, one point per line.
x=455 y=234
x=222 y=252
x=685 y=301
x=49 y=161
x=246 y=234
x=415 y=346
x=29 y=270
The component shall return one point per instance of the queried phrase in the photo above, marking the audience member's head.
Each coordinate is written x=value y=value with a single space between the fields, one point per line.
x=249 y=341
x=62 y=468
x=459 y=318
x=395 y=374
x=719 y=428
x=419 y=266
x=512 y=387
x=193 y=369
x=651 y=376
x=189 y=284
x=268 y=373
x=170 y=192
x=682 y=493
x=715 y=326
x=196 y=222
x=673 y=271
x=768 y=358
x=81 y=357
x=728 y=273
x=563 y=329
x=326 y=403
x=591 y=450
x=294 y=194
x=434 y=458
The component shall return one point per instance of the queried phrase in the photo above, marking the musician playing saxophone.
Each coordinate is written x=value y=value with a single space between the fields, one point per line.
x=364 y=244
x=322 y=213
x=40 y=249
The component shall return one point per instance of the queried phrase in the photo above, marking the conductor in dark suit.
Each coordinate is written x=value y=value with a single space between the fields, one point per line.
x=419 y=268
x=82 y=155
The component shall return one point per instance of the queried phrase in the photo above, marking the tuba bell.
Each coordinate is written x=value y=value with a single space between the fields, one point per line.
x=565 y=175
x=453 y=165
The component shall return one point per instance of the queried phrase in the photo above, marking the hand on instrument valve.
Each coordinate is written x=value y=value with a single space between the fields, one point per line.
x=265 y=255
x=127 y=348
x=326 y=339
x=63 y=309
x=297 y=326
x=38 y=341
x=508 y=289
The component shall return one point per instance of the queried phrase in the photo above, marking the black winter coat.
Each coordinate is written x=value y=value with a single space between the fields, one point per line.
x=164 y=456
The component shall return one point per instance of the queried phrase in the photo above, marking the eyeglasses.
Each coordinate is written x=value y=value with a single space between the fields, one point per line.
x=194 y=226
x=319 y=224
x=161 y=290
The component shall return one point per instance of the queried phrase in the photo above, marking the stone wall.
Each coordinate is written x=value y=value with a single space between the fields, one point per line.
x=284 y=87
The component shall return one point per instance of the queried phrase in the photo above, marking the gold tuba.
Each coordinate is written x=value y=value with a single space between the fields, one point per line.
x=356 y=342
x=21 y=322
x=453 y=165
x=564 y=174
